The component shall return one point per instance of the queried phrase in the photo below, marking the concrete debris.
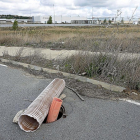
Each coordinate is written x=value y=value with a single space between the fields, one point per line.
x=83 y=74
x=57 y=67
x=131 y=92
x=134 y=93
x=99 y=86
x=62 y=96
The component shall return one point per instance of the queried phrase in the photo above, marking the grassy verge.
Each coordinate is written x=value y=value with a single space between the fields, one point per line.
x=101 y=66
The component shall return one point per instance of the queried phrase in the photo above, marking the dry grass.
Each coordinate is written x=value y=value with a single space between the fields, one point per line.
x=101 y=66
x=126 y=39
x=99 y=39
x=104 y=67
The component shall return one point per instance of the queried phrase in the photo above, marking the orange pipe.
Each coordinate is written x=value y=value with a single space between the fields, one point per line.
x=54 y=110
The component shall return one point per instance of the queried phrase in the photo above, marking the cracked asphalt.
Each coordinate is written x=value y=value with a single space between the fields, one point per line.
x=92 y=119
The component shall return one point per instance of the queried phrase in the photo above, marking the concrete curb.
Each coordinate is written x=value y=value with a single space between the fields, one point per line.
x=80 y=78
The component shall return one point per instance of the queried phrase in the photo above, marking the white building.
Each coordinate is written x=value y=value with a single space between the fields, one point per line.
x=2 y=21
x=56 y=19
x=66 y=19
x=40 y=19
x=12 y=20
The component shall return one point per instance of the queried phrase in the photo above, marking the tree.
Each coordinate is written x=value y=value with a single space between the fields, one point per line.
x=122 y=21
x=49 y=20
x=109 y=21
x=105 y=21
x=15 y=25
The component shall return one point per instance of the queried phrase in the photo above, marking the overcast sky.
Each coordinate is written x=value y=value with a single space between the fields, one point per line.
x=70 y=7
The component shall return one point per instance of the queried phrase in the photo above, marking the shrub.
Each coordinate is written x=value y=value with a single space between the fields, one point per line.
x=105 y=21
x=15 y=25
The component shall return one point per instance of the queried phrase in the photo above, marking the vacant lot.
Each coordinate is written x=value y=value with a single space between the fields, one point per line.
x=116 y=39
x=124 y=39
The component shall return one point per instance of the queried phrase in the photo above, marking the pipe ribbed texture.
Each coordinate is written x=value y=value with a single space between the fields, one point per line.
x=35 y=114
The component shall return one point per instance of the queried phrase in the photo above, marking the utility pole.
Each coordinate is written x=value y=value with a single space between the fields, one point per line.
x=92 y=15
x=30 y=11
x=133 y=14
x=54 y=14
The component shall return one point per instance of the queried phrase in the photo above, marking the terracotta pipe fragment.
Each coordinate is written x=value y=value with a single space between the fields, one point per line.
x=54 y=110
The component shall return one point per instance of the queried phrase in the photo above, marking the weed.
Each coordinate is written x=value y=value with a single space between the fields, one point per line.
x=18 y=54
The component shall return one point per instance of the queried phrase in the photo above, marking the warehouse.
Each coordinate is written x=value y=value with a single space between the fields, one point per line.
x=86 y=21
x=2 y=21
x=40 y=19
x=56 y=19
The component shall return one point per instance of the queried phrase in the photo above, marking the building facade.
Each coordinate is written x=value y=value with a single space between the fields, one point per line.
x=56 y=19
x=40 y=19
x=2 y=21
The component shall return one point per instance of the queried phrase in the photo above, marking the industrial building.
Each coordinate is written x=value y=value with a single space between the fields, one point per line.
x=57 y=19
x=86 y=21
x=72 y=20
x=4 y=21
x=40 y=19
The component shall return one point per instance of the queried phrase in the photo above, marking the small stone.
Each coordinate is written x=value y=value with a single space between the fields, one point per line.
x=134 y=93
x=62 y=96
x=99 y=86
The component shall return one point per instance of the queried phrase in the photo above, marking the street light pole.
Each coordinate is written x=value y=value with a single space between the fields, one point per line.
x=54 y=14
x=92 y=15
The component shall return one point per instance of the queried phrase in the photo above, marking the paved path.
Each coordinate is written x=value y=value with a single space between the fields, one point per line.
x=59 y=54
x=91 y=119
x=46 y=53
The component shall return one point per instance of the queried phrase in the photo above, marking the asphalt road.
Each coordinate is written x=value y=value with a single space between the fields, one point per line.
x=92 y=119
x=57 y=25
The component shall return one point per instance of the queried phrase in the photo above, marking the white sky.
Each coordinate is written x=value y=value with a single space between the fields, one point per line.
x=70 y=7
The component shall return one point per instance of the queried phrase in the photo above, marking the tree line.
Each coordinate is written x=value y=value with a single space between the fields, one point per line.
x=14 y=17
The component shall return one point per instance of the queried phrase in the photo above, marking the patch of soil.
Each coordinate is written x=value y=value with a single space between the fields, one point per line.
x=94 y=91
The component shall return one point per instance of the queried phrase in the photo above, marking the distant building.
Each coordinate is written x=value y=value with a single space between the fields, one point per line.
x=86 y=21
x=72 y=20
x=135 y=22
x=2 y=21
x=40 y=19
x=56 y=19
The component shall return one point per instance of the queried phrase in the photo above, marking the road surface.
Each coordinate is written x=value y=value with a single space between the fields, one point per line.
x=47 y=25
x=92 y=119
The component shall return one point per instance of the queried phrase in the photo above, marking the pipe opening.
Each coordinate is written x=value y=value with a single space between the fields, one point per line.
x=57 y=99
x=28 y=123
